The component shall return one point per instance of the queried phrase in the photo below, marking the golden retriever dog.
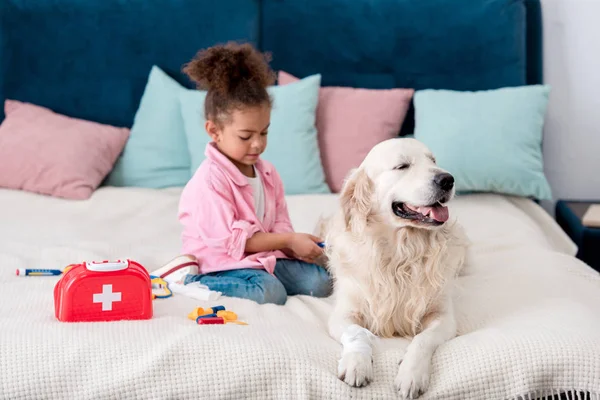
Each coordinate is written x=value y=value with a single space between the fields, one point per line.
x=394 y=254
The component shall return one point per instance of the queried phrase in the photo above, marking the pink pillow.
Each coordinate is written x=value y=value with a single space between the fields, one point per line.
x=52 y=154
x=351 y=121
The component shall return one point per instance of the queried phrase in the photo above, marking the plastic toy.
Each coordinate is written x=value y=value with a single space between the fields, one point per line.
x=103 y=291
x=160 y=283
x=214 y=315
x=207 y=316
x=42 y=272
x=199 y=311
x=38 y=272
x=210 y=321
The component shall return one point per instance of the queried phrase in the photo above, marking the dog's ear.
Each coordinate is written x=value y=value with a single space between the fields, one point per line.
x=356 y=200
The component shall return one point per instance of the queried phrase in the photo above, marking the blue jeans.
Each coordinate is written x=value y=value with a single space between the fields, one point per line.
x=291 y=277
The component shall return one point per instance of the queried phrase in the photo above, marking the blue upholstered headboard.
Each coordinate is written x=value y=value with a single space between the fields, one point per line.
x=90 y=59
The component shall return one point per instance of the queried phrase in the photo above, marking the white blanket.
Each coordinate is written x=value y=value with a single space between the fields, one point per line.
x=528 y=313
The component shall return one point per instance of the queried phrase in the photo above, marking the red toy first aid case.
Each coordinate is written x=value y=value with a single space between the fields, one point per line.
x=103 y=291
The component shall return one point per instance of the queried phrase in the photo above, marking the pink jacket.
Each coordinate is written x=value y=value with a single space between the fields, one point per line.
x=216 y=210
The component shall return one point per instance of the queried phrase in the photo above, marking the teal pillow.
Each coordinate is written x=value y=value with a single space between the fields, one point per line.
x=491 y=141
x=156 y=154
x=292 y=142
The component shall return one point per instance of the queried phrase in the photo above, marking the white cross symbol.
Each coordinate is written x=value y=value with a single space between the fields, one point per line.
x=107 y=297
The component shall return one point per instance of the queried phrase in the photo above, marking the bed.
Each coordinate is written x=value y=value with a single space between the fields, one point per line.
x=527 y=309
x=527 y=312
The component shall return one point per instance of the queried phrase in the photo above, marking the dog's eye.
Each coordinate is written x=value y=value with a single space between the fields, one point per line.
x=402 y=166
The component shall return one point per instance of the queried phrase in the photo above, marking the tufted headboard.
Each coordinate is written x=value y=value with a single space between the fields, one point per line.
x=90 y=59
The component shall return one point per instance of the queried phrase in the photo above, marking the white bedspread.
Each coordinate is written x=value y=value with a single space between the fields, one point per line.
x=528 y=312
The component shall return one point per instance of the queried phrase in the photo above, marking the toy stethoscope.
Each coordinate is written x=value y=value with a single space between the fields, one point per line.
x=159 y=283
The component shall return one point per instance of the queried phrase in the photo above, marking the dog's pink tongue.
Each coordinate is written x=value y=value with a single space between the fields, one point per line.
x=439 y=213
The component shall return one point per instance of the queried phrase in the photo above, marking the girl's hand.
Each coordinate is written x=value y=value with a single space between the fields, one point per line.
x=304 y=247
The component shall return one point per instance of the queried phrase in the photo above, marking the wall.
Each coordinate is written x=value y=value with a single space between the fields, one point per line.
x=572 y=68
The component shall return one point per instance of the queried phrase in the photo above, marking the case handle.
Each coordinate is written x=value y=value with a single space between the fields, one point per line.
x=107 y=266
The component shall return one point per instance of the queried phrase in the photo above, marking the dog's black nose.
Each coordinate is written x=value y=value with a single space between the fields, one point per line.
x=445 y=181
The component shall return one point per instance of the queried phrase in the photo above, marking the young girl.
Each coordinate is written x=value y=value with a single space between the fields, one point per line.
x=234 y=216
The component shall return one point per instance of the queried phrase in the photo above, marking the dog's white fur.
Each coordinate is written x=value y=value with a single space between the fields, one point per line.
x=392 y=276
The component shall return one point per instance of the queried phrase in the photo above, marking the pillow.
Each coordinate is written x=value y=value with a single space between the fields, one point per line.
x=351 y=121
x=52 y=154
x=491 y=141
x=292 y=145
x=156 y=154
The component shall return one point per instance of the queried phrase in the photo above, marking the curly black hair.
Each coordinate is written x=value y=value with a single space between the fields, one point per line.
x=235 y=75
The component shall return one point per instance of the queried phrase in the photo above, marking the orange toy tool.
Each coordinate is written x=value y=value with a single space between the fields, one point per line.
x=214 y=315
x=229 y=317
x=204 y=312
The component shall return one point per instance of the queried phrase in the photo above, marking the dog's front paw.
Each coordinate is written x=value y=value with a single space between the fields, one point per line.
x=356 y=369
x=413 y=377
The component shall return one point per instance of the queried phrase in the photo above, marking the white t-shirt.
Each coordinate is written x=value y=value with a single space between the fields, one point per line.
x=259 y=196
